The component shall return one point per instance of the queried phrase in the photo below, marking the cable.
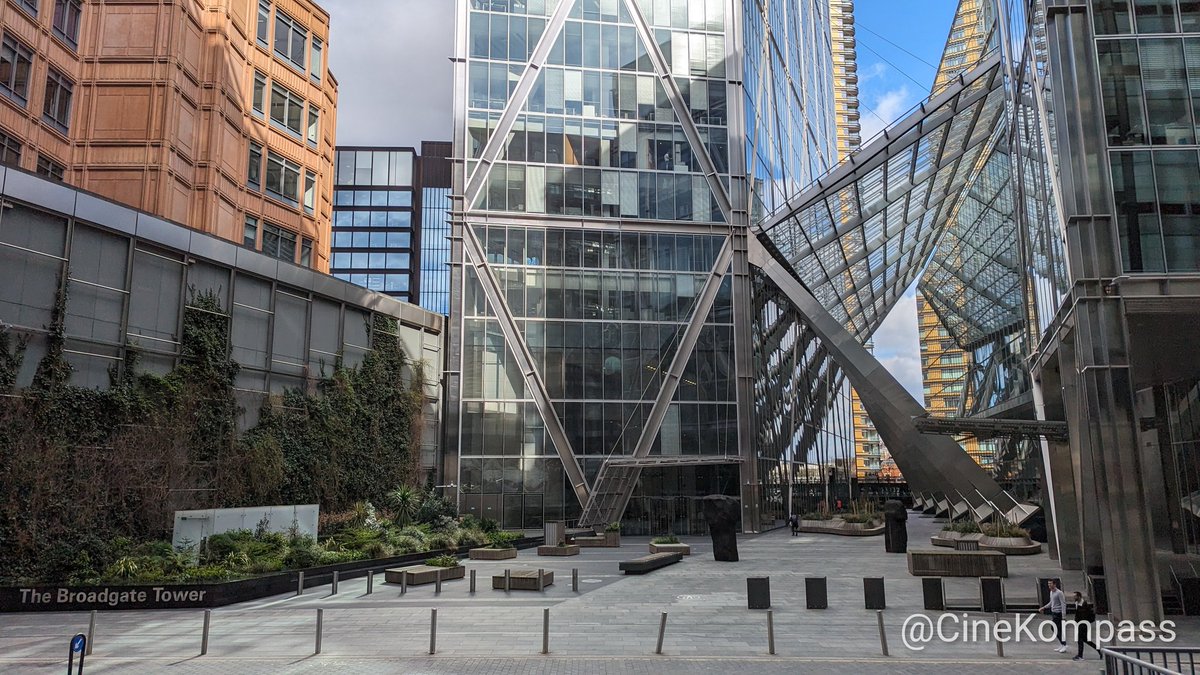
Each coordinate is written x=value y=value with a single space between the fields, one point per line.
x=894 y=66
x=860 y=25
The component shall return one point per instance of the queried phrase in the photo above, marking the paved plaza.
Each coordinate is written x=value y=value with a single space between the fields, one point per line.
x=609 y=626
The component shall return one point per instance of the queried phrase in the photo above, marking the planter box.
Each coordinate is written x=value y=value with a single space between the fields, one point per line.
x=492 y=553
x=590 y=542
x=950 y=539
x=612 y=539
x=671 y=548
x=569 y=549
x=423 y=574
x=840 y=527
x=1010 y=545
x=523 y=580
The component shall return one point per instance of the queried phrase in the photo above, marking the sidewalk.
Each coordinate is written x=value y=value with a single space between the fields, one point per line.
x=610 y=625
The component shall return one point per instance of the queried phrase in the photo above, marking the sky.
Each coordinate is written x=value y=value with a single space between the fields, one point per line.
x=391 y=60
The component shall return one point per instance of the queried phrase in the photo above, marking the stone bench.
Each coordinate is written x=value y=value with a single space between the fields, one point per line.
x=591 y=542
x=670 y=548
x=649 y=563
x=523 y=580
x=423 y=574
x=929 y=563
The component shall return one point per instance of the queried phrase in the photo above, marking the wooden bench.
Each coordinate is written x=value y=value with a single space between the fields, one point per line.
x=649 y=563
x=523 y=580
x=929 y=563
x=596 y=541
x=966 y=545
x=423 y=574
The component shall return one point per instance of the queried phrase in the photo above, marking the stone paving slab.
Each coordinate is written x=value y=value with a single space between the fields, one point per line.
x=610 y=625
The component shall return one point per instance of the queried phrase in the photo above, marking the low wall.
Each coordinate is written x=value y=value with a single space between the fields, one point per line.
x=50 y=598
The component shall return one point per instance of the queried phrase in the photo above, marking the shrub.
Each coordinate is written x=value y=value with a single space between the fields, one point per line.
x=335 y=557
x=265 y=566
x=442 y=561
x=864 y=518
x=442 y=541
x=962 y=527
x=377 y=549
x=404 y=544
x=489 y=525
x=300 y=557
x=208 y=573
x=1004 y=529
x=665 y=539
x=418 y=532
x=816 y=515
x=502 y=539
x=469 y=522
x=613 y=527
x=471 y=538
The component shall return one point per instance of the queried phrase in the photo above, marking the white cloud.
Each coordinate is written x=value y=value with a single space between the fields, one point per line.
x=897 y=344
x=870 y=72
x=887 y=107
x=391 y=60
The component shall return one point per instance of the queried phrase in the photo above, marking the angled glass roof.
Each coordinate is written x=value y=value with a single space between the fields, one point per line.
x=973 y=280
x=859 y=237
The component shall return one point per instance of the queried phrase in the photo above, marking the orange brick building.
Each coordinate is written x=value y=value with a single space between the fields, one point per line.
x=218 y=114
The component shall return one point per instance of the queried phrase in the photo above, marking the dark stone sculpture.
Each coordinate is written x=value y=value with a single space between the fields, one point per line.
x=723 y=514
x=895 y=529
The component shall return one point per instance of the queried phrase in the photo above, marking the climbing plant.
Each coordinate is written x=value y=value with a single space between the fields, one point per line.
x=85 y=468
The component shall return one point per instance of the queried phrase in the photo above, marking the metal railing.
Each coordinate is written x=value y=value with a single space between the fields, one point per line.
x=1144 y=660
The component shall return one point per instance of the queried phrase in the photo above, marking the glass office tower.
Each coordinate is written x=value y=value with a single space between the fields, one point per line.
x=374 y=206
x=614 y=154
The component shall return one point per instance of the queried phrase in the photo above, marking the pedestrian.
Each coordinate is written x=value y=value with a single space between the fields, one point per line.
x=1056 y=607
x=794 y=521
x=1085 y=614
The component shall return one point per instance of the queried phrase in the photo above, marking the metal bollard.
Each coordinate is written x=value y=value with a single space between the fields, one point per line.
x=370 y=581
x=320 y=624
x=771 y=632
x=999 y=642
x=662 y=629
x=546 y=631
x=433 y=631
x=403 y=583
x=472 y=581
x=91 y=632
x=882 y=635
x=507 y=580
x=300 y=584
x=204 y=634
x=333 y=586
x=437 y=584
x=541 y=586
x=575 y=579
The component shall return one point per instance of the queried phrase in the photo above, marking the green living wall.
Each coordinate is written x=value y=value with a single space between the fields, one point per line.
x=84 y=467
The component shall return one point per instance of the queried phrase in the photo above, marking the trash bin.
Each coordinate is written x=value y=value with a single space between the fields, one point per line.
x=758 y=592
x=816 y=595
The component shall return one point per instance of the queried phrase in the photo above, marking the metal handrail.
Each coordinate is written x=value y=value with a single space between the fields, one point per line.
x=1117 y=660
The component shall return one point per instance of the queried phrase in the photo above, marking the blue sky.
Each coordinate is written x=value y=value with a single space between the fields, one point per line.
x=891 y=81
x=391 y=58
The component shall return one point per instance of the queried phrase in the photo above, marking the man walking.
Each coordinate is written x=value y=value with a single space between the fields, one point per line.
x=1057 y=607
x=794 y=521
x=1085 y=614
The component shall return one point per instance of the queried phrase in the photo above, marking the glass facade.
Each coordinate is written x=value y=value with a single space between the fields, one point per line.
x=373 y=220
x=436 y=183
x=602 y=187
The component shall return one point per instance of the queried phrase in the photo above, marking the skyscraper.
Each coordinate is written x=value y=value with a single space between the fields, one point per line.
x=614 y=154
x=376 y=212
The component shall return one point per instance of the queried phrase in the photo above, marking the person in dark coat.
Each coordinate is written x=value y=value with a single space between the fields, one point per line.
x=794 y=521
x=1085 y=614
